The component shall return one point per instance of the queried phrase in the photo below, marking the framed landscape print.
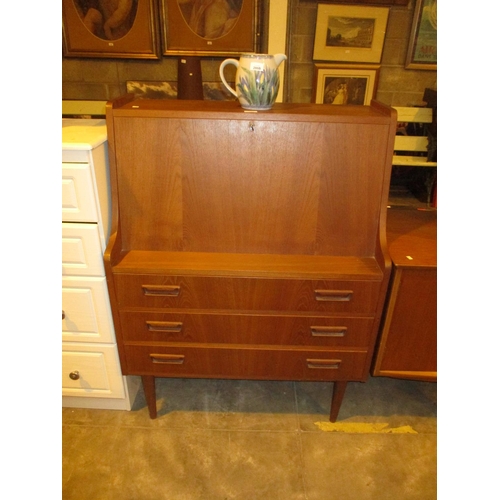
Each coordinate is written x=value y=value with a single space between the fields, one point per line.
x=345 y=84
x=205 y=27
x=350 y=33
x=422 y=48
x=128 y=29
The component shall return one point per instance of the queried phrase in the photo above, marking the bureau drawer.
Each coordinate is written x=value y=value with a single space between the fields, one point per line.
x=246 y=329
x=247 y=363
x=221 y=293
x=91 y=371
x=81 y=250
x=86 y=311
x=78 y=201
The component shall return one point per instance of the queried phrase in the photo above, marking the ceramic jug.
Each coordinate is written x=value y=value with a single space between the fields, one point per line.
x=257 y=80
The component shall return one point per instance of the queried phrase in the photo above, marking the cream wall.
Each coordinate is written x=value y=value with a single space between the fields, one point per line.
x=278 y=16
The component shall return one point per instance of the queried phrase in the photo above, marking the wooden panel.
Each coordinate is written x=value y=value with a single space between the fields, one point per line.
x=245 y=329
x=251 y=363
x=249 y=186
x=414 y=114
x=353 y=177
x=409 y=339
x=411 y=143
x=128 y=107
x=249 y=265
x=269 y=180
x=70 y=107
x=150 y=183
x=189 y=292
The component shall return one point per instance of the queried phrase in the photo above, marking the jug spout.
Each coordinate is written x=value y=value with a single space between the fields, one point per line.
x=279 y=58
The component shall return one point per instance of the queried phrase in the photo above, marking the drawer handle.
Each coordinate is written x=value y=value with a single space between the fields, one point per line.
x=331 y=364
x=161 y=290
x=164 y=326
x=328 y=331
x=168 y=359
x=333 y=295
x=74 y=375
x=63 y=314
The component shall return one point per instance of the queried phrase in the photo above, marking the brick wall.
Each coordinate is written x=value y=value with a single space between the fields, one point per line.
x=397 y=86
x=103 y=79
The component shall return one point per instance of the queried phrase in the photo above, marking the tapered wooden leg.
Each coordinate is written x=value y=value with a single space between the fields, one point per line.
x=337 y=397
x=148 y=384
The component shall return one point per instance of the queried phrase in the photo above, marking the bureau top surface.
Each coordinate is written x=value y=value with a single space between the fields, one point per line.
x=87 y=134
x=376 y=113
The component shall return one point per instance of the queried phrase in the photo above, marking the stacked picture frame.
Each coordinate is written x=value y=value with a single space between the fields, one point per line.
x=148 y=29
x=348 y=45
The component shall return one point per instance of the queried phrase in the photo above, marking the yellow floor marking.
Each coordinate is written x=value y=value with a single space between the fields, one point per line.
x=364 y=428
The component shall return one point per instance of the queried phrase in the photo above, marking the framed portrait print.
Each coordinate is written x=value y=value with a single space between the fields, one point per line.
x=127 y=29
x=345 y=84
x=205 y=27
x=422 y=48
x=350 y=33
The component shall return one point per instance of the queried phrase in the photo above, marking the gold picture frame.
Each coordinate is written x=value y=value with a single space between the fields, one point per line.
x=131 y=33
x=345 y=84
x=191 y=27
x=350 y=33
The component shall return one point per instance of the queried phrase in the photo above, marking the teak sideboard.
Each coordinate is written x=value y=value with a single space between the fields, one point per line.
x=248 y=245
x=407 y=347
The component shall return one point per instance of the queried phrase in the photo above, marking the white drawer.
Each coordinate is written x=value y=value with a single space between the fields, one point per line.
x=96 y=371
x=86 y=310
x=78 y=200
x=81 y=250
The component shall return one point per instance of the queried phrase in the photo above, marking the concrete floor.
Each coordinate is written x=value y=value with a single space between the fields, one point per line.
x=220 y=439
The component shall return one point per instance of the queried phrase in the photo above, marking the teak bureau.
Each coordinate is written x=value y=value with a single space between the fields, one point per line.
x=248 y=245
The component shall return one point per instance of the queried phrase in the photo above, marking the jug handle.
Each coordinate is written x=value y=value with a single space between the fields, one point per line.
x=234 y=62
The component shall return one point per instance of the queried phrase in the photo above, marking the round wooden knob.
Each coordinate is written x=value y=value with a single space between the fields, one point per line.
x=74 y=375
x=63 y=314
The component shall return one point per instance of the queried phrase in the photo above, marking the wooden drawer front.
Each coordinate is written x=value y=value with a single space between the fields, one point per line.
x=246 y=329
x=193 y=292
x=86 y=310
x=96 y=369
x=81 y=250
x=248 y=363
x=78 y=202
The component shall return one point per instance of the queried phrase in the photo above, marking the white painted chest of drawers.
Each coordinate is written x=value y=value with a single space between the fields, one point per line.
x=91 y=373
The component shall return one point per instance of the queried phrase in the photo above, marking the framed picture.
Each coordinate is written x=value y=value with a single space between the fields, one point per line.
x=422 y=48
x=128 y=29
x=350 y=33
x=212 y=91
x=345 y=84
x=205 y=27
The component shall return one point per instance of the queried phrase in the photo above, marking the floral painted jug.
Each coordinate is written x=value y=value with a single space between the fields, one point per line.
x=257 y=80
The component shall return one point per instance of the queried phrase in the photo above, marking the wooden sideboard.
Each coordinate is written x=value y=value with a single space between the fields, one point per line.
x=408 y=342
x=248 y=245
